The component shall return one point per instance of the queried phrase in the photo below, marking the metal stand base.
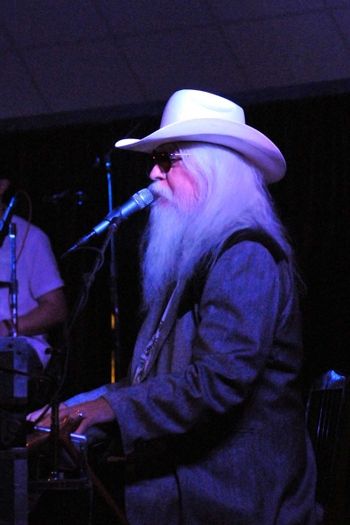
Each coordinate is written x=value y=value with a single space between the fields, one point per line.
x=13 y=487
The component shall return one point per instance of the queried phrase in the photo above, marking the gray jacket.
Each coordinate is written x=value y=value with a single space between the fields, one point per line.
x=215 y=431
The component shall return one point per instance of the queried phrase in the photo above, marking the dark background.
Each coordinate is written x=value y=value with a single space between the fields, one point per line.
x=313 y=202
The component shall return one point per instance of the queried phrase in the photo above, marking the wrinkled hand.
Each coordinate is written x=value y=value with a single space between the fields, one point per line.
x=85 y=414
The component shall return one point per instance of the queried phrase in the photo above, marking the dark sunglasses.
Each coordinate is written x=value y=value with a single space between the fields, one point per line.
x=166 y=159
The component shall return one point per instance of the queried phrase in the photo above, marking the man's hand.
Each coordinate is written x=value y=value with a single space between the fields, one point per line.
x=86 y=414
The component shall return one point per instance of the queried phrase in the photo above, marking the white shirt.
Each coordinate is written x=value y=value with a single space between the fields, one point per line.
x=37 y=274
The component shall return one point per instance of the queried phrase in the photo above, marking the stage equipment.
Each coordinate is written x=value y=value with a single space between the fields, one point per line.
x=13 y=486
x=328 y=419
x=73 y=475
x=19 y=365
x=138 y=201
x=6 y=219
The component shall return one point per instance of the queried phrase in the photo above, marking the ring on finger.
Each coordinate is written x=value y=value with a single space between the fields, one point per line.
x=79 y=414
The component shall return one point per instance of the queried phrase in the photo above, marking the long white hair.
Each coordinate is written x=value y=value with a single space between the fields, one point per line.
x=231 y=195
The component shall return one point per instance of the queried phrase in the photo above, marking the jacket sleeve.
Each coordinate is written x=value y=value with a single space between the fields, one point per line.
x=238 y=312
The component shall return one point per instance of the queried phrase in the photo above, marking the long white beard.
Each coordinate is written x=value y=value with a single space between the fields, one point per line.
x=182 y=230
x=163 y=241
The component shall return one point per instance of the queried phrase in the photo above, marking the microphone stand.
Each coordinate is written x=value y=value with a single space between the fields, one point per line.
x=13 y=291
x=13 y=285
x=115 y=352
x=88 y=281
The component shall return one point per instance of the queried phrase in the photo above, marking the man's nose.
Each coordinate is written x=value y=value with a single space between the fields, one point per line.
x=157 y=173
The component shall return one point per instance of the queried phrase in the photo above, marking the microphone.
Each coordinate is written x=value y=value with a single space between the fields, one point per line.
x=138 y=201
x=6 y=219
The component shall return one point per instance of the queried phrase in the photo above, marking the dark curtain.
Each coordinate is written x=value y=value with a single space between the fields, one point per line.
x=313 y=201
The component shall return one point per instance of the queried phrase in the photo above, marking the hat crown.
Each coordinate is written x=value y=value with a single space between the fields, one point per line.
x=196 y=116
x=189 y=104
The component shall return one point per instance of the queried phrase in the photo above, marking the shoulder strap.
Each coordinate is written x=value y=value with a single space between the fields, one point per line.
x=254 y=235
x=196 y=284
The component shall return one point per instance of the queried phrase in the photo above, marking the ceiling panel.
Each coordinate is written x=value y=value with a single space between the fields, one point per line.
x=5 y=44
x=285 y=47
x=48 y=22
x=143 y=17
x=83 y=75
x=342 y=21
x=236 y=10
x=18 y=95
x=336 y=3
x=60 y=57
x=188 y=66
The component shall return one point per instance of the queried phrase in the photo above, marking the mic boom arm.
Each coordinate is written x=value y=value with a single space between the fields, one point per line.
x=138 y=201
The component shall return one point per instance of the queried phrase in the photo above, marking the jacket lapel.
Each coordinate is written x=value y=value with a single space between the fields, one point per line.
x=152 y=324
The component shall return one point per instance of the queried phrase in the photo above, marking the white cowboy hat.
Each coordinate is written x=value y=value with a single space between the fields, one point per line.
x=197 y=116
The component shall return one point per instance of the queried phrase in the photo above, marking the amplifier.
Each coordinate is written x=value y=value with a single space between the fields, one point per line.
x=17 y=360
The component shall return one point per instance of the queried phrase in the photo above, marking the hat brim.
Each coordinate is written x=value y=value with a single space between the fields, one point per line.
x=248 y=141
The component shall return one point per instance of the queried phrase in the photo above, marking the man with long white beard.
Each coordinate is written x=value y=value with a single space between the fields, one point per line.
x=211 y=418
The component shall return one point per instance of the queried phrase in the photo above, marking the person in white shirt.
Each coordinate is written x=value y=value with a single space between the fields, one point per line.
x=41 y=299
